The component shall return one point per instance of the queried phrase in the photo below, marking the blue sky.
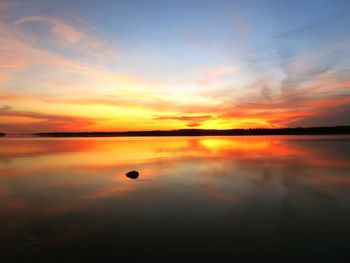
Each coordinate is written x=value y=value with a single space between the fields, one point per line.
x=174 y=64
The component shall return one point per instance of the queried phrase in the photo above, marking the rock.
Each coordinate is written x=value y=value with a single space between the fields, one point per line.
x=132 y=174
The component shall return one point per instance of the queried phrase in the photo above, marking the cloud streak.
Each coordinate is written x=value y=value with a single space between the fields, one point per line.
x=128 y=79
x=33 y=121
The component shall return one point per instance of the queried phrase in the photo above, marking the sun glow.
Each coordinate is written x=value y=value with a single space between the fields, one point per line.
x=60 y=71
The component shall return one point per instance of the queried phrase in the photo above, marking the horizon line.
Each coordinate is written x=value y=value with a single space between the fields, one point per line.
x=177 y=130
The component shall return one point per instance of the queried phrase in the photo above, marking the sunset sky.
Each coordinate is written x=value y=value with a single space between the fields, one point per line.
x=109 y=65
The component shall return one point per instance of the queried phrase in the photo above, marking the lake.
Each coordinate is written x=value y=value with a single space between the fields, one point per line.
x=219 y=199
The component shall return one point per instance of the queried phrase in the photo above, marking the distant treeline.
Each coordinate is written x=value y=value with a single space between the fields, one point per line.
x=200 y=132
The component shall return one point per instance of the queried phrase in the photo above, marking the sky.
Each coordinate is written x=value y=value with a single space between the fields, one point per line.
x=128 y=65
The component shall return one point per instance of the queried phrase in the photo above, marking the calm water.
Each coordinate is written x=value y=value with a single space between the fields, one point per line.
x=220 y=199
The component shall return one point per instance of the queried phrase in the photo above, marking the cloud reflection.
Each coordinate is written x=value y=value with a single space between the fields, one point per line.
x=206 y=178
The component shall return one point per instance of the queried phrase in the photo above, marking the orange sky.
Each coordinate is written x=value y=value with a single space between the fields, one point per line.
x=113 y=67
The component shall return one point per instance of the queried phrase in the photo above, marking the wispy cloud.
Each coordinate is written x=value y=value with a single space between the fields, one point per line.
x=48 y=32
x=217 y=73
x=191 y=121
x=243 y=78
x=28 y=121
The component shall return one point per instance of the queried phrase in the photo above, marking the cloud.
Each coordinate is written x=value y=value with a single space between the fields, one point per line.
x=183 y=118
x=6 y=5
x=5 y=108
x=48 y=32
x=66 y=33
x=217 y=73
x=3 y=78
x=191 y=121
x=53 y=57
x=17 y=55
x=324 y=50
x=49 y=46
x=28 y=121
x=328 y=115
x=32 y=40
x=11 y=63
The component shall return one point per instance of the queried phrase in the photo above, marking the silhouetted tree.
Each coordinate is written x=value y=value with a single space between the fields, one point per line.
x=200 y=132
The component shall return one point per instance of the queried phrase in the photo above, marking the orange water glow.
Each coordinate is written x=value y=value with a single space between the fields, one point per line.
x=69 y=175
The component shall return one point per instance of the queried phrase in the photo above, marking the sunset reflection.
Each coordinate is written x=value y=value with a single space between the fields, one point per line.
x=102 y=163
x=44 y=179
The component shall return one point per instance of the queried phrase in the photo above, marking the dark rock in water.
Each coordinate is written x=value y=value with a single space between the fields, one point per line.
x=132 y=174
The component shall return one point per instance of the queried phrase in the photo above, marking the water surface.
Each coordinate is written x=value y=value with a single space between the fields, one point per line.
x=220 y=199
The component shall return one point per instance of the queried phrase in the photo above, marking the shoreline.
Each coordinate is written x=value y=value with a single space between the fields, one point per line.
x=337 y=130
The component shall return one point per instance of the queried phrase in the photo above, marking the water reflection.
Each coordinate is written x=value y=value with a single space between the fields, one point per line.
x=243 y=196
